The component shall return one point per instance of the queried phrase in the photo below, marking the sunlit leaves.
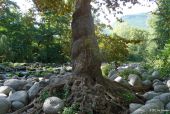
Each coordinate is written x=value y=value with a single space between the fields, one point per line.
x=57 y=6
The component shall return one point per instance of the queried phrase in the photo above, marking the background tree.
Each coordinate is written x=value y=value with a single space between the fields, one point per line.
x=159 y=23
x=25 y=39
x=138 y=51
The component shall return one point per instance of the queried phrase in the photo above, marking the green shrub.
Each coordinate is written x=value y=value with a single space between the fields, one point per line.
x=125 y=73
x=44 y=96
x=165 y=70
x=71 y=110
x=127 y=97
x=106 y=69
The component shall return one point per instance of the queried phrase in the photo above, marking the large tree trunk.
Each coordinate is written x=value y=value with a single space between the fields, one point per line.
x=89 y=89
x=85 y=51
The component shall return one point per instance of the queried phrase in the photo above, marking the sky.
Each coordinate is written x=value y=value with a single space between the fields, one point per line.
x=147 y=7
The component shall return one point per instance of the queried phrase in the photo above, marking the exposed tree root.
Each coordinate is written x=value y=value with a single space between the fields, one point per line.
x=103 y=97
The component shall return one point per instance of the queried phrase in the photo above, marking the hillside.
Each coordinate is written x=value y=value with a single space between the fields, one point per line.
x=137 y=20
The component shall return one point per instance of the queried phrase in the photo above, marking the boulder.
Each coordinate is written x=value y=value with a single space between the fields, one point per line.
x=113 y=77
x=4 y=106
x=155 y=75
x=150 y=108
x=20 y=96
x=147 y=83
x=144 y=75
x=161 y=88
x=122 y=81
x=111 y=73
x=59 y=80
x=134 y=106
x=2 y=76
x=53 y=105
x=167 y=107
x=17 y=105
x=62 y=70
x=165 y=98
x=3 y=96
x=151 y=94
x=5 y=89
x=168 y=83
x=27 y=86
x=33 y=91
x=15 y=83
x=134 y=80
x=158 y=83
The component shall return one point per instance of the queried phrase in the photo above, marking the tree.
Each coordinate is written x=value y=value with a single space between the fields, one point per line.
x=23 y=39
x=160 y=23
x=89 y=89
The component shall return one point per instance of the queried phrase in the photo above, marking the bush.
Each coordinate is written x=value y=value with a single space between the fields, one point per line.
x=106 y=69
x=71 y=110
x=125 y=73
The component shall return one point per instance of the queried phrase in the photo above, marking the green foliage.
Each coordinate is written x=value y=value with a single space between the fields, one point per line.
x=159 y=23
x=137 y=51
x=127 y=97
x=162 y=62
x=44 y=95
x=126 y=72
x=160 y=34
x=106 y=69
x=23 y=39
x=63 y=93
x=71 y=110
x=115 y=51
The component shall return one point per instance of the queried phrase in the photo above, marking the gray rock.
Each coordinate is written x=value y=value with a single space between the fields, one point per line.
x=62 y=70
x=43 y=83
x=150 y=108
x=147 y=83
x=168 y=83
x=68 y=68
x=33 y=91
x=122 y=81
x=113 y=77
x=2 y=76
x=1 y=84
x=4 y=106
x=158 y=83
x=27 y=86
x=53 y=105
x=111 y=73
x=144 y=75
x=156 y=80
x=165 y=98
x=5 y=89
x=134 y=106
x=20 y=96
x=3 y=96
x=60 y=79
x=134 y=80
x=17 y=105
x=161 y=88
x=15 y=83
x=167 y=107
x=151 y=94
x=154 y=101
x=155 y=75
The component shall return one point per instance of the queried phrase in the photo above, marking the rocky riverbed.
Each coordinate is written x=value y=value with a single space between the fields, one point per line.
x=20 y=85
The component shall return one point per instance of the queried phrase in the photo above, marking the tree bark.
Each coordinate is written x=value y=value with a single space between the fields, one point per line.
x=85 y=50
